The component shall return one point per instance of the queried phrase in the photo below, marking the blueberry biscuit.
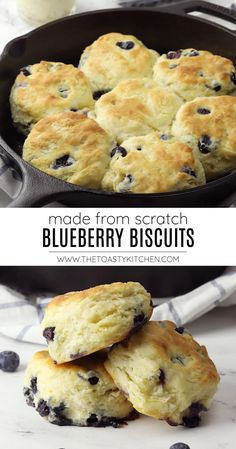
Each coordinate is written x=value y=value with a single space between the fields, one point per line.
x=195 y=73
x=164 y=373
x=71 y=147
x=115 y=57
x=80 y=323
x=45 y=89
x=153 y=163
x=137 y=107
x=79 y=394
x=208 y=126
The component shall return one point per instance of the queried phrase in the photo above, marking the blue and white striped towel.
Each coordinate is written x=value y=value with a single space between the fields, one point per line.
x=20 y=317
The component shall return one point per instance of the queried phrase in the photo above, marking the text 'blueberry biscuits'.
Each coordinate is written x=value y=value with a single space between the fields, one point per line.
x=71 y=147
x=137 y=107
x=153 y=163
x=194 y=73
x=80 y=394
x=45 y=89
x=115 y=57
x=80 y=323
x=164 y=373
x=208 y=126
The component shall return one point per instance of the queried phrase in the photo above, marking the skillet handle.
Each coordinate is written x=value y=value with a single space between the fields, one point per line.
x=36 y=190
x=188 y=6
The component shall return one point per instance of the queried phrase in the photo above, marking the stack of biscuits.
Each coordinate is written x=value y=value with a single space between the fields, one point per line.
x=128 y=120
x=106 y=362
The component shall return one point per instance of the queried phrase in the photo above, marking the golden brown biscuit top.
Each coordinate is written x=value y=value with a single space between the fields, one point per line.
x=114 y=57
x=67 y=133
x=190 y=66
x=71 y=147
x=91 y=362
x=96 y=293
x=137 y=107
x=51 y=87
x=214 y=117
x=76 y=128
x=153 y=163
x=178 y=346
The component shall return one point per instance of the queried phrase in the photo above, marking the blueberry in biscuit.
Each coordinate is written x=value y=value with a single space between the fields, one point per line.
x=71 y=147
x=207 y=125
x=151 y=164
x=45 y=89
x=87 y=321
x=192 y=73
x=80 y=394
x=114 y=57
x=164 y=373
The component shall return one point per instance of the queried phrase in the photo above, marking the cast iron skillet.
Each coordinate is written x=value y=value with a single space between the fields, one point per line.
x=160 y=281
x=163 y=29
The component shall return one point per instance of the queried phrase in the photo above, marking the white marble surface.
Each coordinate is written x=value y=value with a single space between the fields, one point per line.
x=22 y=428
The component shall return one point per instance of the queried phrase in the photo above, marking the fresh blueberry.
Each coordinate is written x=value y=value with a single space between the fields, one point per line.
x=179 y=446
x=64 y=161
x=204 y=144
x=126 y=45
x=233 y=78
x=119 y=150
x=49 y=333
x=162 y=377
x=93 y=380
x=203 y=111
x=25 y=70
x=174 y=54
x=99 y=93
x=188 y=171
x=9 y=361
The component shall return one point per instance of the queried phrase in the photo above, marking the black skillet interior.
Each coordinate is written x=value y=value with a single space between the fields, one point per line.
x=161 y=281
x=65 y=40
